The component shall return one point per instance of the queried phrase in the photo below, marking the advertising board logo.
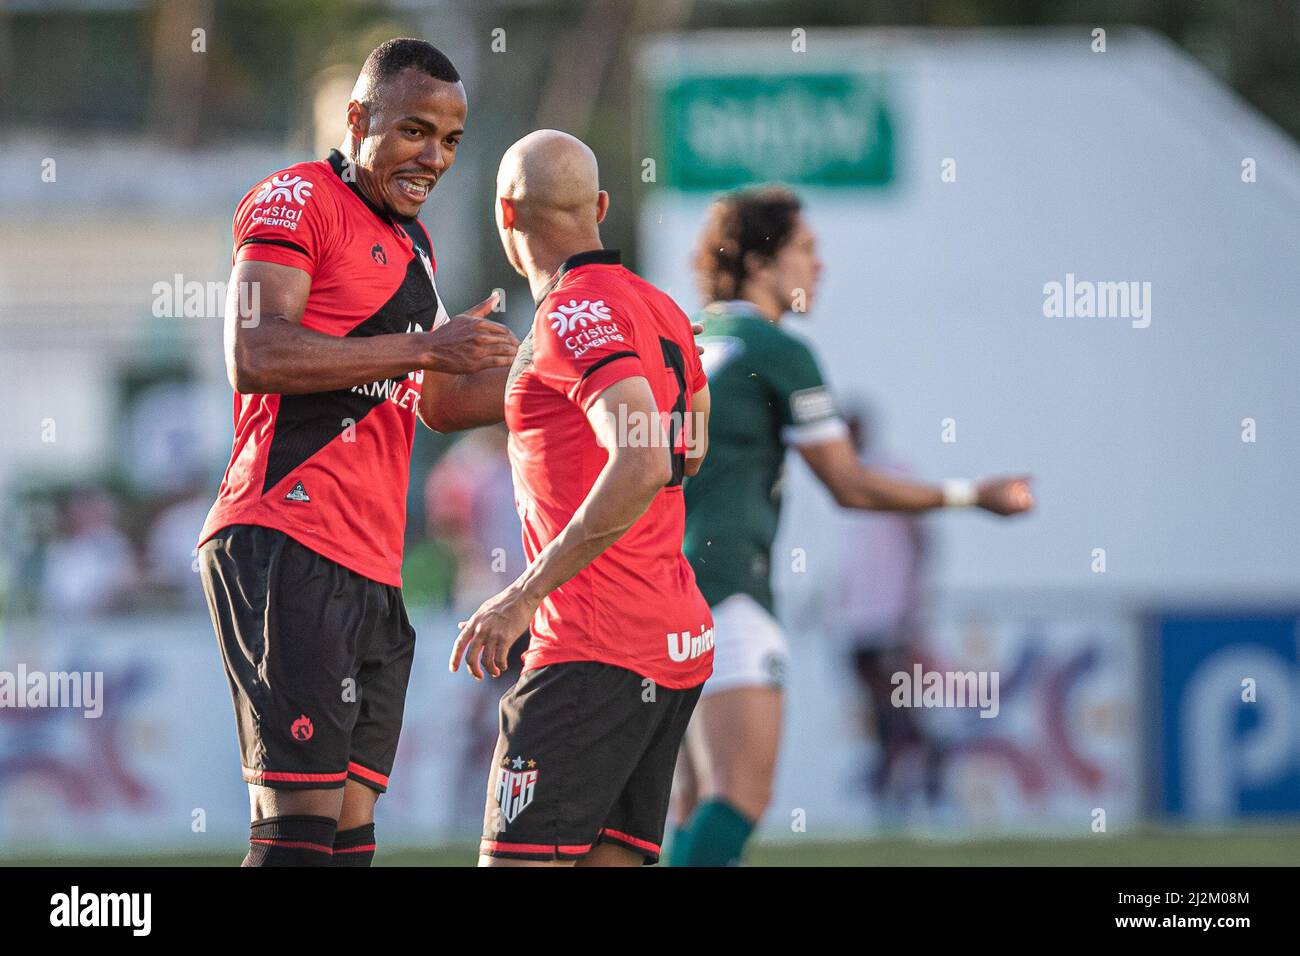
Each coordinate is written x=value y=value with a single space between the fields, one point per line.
x=825 y=129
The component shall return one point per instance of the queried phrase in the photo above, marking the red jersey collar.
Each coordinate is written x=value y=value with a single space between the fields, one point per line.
x=338 y=162
x=593 y=257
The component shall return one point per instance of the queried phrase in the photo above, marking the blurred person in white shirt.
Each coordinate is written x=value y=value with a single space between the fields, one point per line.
x=876 y=594
x=90 y=568
x=469 y=503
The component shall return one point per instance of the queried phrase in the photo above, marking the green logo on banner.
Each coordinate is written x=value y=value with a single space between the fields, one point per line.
x=824 y=129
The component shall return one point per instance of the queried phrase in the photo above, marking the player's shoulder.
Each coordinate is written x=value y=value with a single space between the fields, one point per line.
x=786 y=338
x=642 y=299
x=755 y=331
x=771 y=351
x=590 y=295
x=659 y=311
x=607 y=284
x=575 y=312
x=306 y=184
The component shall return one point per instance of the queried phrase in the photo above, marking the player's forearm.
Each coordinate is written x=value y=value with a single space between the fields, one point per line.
x=621 y=494
x=856 y=486
x=451 y=403
x=872 y=491
x=285 y=358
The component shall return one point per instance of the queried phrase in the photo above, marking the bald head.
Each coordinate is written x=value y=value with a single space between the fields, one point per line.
x=549 y=203
x=551 y=179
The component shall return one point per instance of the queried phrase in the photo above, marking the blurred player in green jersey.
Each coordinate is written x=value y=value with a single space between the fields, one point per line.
x=756 y=262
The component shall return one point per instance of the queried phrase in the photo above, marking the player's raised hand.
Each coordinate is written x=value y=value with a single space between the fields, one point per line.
x=697 y=328
x=1005 y=496
x=470 y=342
x=490 y=633
x=482 y=310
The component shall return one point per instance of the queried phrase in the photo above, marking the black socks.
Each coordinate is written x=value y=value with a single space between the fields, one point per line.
x=291 y=841
x=355 y=847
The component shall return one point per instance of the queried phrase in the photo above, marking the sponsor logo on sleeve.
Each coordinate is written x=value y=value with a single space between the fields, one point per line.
x=811 y=405
x=284 y=193
x=284 y=189
x=584 y=325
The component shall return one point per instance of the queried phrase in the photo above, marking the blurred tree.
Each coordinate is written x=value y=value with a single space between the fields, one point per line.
x=180 y=70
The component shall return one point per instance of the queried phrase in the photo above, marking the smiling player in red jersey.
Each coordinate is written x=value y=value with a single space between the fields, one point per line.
x=607 y=406
x=335 y=341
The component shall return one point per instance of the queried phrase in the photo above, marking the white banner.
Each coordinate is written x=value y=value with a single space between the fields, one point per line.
x=159 y=768
x=1061 y=740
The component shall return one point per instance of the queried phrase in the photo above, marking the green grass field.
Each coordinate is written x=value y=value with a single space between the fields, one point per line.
x=1271 y=846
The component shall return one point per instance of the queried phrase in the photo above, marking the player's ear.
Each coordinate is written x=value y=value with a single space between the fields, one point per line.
x=602 y=205
x=507 y=208
x=358 y=120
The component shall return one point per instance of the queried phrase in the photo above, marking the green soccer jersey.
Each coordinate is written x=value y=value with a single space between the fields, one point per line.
x=767 y=392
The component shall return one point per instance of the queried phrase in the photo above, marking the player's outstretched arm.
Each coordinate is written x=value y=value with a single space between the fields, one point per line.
x=450 y=403
x=268 y=350
x=856 y=486
x=623 y=490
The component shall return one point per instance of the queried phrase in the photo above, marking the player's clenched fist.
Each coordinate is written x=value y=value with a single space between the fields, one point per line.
x=491 y=632
x=1005 y=496
x=470 y=343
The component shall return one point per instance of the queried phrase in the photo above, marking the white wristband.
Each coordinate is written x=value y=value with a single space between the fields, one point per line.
x=959 y=493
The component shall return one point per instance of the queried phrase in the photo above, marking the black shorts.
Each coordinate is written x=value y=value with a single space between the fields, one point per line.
x=317 y=657
x=585 y=755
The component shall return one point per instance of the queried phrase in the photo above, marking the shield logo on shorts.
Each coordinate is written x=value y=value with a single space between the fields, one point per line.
x=514 y=791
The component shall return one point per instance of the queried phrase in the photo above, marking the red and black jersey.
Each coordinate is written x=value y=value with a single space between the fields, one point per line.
x=636 y=605
x=330 y=469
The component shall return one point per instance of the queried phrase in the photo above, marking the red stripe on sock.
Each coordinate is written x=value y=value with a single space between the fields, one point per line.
x=296 y=845
x=355 y=849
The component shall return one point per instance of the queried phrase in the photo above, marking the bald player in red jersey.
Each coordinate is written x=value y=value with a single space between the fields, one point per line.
x=607 y=406
x=336 y=340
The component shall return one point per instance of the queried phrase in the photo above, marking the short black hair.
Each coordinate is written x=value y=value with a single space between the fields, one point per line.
x=392 y=56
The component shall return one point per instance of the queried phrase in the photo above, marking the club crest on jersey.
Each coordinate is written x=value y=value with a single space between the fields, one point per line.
x=516 y=782
x=284 y=189
x=567 y=319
